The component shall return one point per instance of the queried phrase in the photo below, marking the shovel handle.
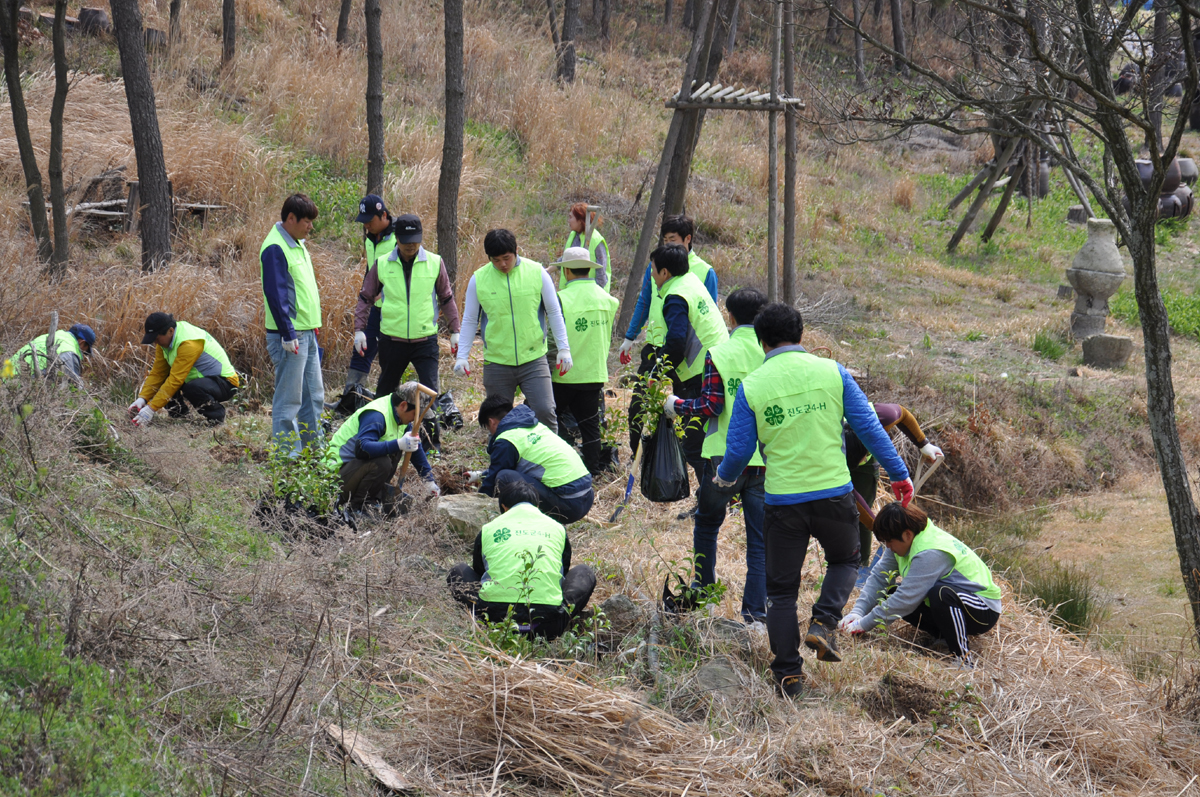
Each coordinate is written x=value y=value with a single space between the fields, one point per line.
x=420 y=416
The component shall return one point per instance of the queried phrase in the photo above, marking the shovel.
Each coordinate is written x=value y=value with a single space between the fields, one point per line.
x=420 y=416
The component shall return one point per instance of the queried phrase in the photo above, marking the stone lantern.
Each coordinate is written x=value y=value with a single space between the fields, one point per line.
x=1095 y=274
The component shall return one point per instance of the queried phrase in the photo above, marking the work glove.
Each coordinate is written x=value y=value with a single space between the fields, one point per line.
x=462 y=367
x=474 y=477
x=852 y=624
x=454 y=344
x=135 y=406
x=626 y=347
x=724 y=485
x=360 y=342
x=144 y=417
x=903 y=491
x=669 y=406
x=408 y=442
x=931 y=452
x=564 y=362
x=292 y=346
x=434 y=490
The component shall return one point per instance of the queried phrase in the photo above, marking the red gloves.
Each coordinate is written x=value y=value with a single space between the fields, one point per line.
x=903 y=491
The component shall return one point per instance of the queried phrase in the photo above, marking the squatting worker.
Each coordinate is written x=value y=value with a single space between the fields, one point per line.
x=413 y=285
x=369 y=445
x=932 y=580
x=66 y=352
x=725 y=366
x=791 y=408
x=510 y=301
x=648 y=313
x=293 y=319
x=596 y=246
x=589 y=312
x=379 y=240
x=522 y=449
x=188 y=364
x=521 y=562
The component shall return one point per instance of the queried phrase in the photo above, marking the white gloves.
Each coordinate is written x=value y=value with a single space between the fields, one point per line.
x=408 y=442
x=626 y=347
x=292 y=346
x=931 y=452
x=143 y=418
x=360 y=342
x=474 y=476
x=852 y=624
x=135 y=406
x=564 y=362
x=717 y=480
x=669 y=406
x=462 y=367
x=454 y=343
x=434 y=490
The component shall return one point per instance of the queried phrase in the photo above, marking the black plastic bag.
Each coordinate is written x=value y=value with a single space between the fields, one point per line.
x=664 y=470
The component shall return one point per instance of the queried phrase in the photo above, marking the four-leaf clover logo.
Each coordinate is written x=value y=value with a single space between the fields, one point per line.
x=500 y=535
x=533 y=438
x=774 y=414
x=703 y=308
x=581 y=324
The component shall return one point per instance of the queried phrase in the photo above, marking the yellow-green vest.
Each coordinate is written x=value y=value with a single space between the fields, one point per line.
x=377 y=250
x=213 y=362
x=341 y=448
x=64 y=343
x=409 y=312
x=656 y=326
x=522 y=554
x=544 y=455
x=306 y=301
x=707 y=326
x=588 y=312
x=796 y=398
x=966 y=561
x=512 y=332
x=735 y=359
x=593 y=248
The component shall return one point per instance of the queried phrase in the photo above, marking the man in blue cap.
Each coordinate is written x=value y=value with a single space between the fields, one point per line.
x=379 y=240
x=68 y=350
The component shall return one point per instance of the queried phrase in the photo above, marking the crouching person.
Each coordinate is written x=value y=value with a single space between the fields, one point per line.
x=368 y=447
x=929 y=578
x=522 y=561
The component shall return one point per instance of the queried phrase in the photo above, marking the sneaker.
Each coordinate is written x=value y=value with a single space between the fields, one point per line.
x=820 y=639
x=688 y=514
x=792 y=686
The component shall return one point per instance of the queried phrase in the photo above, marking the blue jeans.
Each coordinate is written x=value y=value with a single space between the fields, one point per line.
x=299 y=393
x=710 y=514
x=362 y=362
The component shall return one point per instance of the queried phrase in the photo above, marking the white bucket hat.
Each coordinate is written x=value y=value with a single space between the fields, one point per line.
x=576 y=257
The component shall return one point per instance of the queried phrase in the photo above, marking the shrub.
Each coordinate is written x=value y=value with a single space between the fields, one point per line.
x=1049 y=345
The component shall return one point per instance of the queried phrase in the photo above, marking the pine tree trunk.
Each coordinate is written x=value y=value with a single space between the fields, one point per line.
x=605 y=18
x=452 y=141
x=566 y=60
x=668 y=11
x=155 y=192
x=860 y=68
x=58 y=200
x=173 y=29
x=731 y=40
x=228 y=30
x=833 y=28
x=343 y=27
x=16 y=96
x=898 y=36
x=375 y=153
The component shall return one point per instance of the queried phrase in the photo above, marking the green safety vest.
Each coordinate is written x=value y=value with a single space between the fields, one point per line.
x=535 y=577
x=341 y=449
x=706 y=325
x=656 y=327
x=735 y=359
x=796 y=398
x=213 y=362
x=966 y=561
x=512 y=333
x=377 y=250
x=307 y=301
x=593 y=247
x=409 y=311
x=588 y=312
x=545 y=456
x=64 y=343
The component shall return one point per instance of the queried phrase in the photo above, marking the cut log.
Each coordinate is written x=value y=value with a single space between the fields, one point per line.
x=366 y=755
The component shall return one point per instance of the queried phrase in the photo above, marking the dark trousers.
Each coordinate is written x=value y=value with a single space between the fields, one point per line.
x=711 y=502
x=362 y=362
x=647 y=361
x=693 y=437
x=865 y=480
x=584 y=401
x=953 y=617
x=788 y=529
x=206 y=395
x=367 y=479
x=564 y=510
x=396 y=355
x=541 y=620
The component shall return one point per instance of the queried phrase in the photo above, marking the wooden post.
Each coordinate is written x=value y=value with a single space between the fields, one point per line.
x=789 y=157
x=773 y=163
x=971 y=186
x=417 y=419
x=984 y=193
x=994 y=222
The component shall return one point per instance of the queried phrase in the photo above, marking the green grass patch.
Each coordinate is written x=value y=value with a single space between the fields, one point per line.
x=336 y=197
x=1183 y=310
x=1049 y=345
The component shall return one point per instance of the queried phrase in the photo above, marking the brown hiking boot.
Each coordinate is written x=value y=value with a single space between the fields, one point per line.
x=820 y=639
x=792 y=686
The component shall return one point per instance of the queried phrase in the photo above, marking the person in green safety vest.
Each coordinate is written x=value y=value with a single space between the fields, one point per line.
x=379 y=240
x=189 y=365
x=790 y=409
x=589 y=312
x=928 y=577
x=523 y=449
x=510 y=301
x=725 y=366
x=69 y=347
x=521 y=563
x=367 y=448
x=596 y=246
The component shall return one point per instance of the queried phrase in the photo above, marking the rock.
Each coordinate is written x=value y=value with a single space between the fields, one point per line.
x=155 y=40
x=717 y=677
x=1107 y=351
x=1188 y=171
x=623 y=614
x=1077 y=214
x=94 y=21
x=1095 y=274
x=467 y=514
x=1065 y=292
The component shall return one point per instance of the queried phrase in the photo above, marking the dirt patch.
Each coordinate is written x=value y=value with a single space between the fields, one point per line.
x=902 y=696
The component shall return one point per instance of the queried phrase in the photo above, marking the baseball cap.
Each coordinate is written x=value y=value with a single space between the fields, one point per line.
x=84 y=333
x=370 y=207
x=408 y=229
x=157 y=324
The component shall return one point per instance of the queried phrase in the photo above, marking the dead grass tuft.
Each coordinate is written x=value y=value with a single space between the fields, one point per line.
x=904 y=193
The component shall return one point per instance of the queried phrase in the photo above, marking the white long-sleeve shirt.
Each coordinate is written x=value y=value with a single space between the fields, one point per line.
x=550 y=310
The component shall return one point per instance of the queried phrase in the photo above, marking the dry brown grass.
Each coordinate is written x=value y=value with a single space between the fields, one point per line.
x=903 y=193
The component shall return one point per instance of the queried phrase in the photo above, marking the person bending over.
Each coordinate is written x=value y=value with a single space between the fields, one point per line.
x=188 y=364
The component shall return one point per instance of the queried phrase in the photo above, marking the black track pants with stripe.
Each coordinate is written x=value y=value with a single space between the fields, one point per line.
x=953 y=616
